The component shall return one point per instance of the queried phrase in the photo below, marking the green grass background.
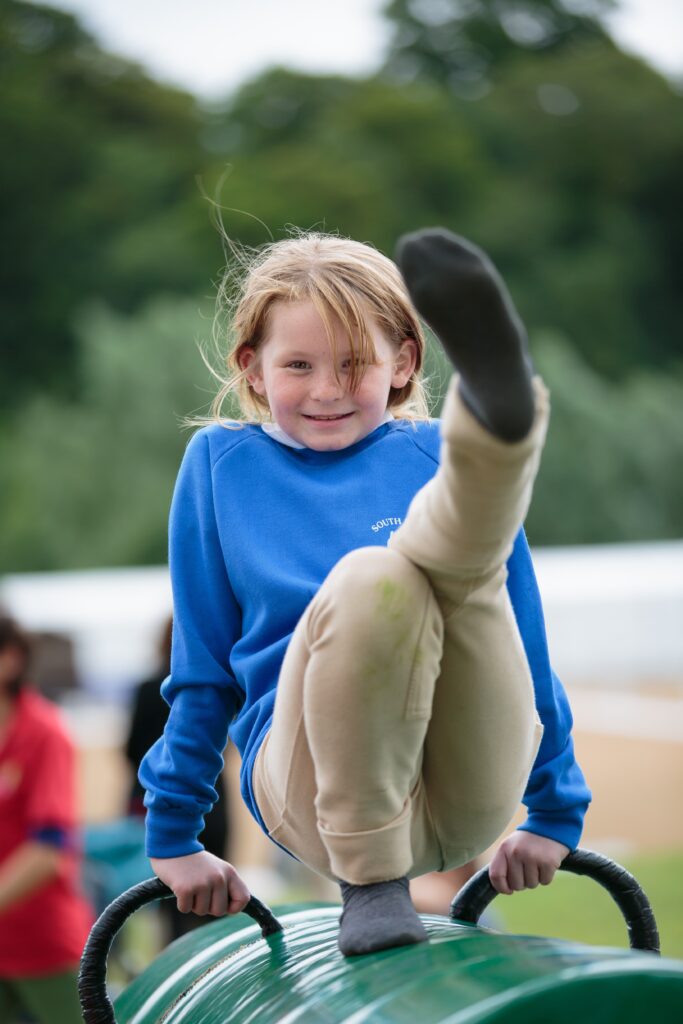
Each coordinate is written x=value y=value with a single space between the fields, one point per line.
x=577 y=908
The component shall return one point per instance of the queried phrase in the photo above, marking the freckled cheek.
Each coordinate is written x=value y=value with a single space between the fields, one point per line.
x=287 y=396
x=372 y=398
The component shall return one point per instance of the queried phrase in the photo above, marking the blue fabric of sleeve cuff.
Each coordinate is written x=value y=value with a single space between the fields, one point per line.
x=558 y=827
x=172 y=834
x=52 y=835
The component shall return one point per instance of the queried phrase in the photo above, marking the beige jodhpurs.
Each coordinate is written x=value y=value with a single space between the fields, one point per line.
x=405 y=727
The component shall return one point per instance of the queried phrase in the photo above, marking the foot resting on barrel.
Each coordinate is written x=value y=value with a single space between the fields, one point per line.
x=378 y=916
x=460 y=294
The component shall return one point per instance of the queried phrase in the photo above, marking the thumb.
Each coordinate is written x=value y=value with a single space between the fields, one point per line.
x=238 y=895
x=498 y=872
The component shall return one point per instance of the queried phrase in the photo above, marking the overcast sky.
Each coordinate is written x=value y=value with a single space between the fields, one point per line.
x=210 y=46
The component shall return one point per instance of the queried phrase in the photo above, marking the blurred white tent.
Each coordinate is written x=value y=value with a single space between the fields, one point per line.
x=113 y=617
x=614 y=615
x=614 y=612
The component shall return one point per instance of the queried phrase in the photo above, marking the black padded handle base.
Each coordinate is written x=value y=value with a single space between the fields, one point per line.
x=475 y=896
x=95 y=1004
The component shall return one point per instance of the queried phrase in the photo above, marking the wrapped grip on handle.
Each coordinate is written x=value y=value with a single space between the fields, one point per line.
x=475 y=896
x=95 y=1004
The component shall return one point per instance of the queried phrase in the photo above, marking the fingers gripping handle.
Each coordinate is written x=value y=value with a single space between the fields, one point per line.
x=95 y=1004
x=475 y=896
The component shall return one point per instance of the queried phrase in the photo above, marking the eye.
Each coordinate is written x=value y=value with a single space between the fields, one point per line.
x=298 y=364
x=357 y=361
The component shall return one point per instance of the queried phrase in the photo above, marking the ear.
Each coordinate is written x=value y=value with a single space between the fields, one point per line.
x=249 y=361
x=404 y=363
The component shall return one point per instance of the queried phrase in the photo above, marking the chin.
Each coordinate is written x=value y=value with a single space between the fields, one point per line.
x=327 y=445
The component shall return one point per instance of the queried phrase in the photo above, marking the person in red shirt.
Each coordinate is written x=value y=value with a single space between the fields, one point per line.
x=44 y=919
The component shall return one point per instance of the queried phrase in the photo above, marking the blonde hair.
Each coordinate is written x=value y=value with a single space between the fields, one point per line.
x=349 y=282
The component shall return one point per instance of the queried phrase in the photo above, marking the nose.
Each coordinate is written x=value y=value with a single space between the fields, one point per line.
x=325 y=387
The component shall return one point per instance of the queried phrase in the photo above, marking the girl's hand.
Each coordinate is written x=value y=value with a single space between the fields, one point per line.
x=524 y=860
x=202 y=883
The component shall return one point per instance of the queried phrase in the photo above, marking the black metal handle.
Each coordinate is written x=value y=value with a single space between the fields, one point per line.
x=475 y=896
x=95 y=1004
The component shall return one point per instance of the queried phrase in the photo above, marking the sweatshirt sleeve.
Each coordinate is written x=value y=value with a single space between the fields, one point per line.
x=556 y=795
x=179 y=772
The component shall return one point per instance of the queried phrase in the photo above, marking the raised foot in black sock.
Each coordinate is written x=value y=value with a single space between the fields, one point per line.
x=460 y=294
x=378 y=916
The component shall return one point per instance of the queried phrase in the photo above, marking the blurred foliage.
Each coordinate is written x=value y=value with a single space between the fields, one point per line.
x=578 y=218
x=611 y=469
x=89 y=482
x=464 y=43
x=520 y=125
x=98 y=199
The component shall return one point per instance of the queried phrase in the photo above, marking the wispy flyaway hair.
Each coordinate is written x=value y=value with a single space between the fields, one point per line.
x=349 y=283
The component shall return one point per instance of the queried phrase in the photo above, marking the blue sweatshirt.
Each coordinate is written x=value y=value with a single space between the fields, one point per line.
x=255 y=528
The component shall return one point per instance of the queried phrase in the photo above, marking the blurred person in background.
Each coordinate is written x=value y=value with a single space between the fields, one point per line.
x=44 y=919
x=148 y=718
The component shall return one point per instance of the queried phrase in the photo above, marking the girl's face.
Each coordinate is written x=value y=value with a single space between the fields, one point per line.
x=306 y=384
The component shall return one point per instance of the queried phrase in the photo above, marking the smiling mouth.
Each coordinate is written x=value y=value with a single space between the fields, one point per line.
x=328 y=419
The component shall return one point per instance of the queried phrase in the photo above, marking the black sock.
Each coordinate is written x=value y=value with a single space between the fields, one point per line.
x=378 y=916
x=460 y=294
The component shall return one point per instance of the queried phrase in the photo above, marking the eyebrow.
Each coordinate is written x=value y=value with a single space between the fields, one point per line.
x=297 y=354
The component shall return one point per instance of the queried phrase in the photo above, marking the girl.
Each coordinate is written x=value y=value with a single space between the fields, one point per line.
x=354 y=598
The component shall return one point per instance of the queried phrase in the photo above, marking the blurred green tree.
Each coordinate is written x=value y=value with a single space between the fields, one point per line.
x=582 y=213
x=547 y=172
x=611 y=467
x=464 y=44
x=97 y=192
x=359 y=157
x=89 y=482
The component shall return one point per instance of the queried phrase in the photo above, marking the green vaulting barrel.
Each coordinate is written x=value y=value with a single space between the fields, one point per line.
x=226 y=972
x=230 y=971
